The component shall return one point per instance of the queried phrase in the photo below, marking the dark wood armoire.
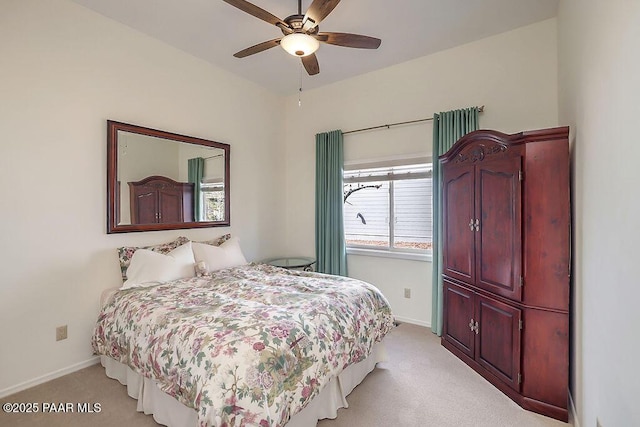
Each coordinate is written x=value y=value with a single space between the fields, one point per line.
x=506 y=262
x=160 y=200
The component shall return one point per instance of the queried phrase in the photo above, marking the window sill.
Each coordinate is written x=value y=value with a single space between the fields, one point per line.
x=390 y=254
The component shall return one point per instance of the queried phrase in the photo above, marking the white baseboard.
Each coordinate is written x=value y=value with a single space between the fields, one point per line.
x=413 y=321
x=573 y=415
x=48 y=377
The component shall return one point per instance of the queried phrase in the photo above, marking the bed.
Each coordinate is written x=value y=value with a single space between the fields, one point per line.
x=242 y=345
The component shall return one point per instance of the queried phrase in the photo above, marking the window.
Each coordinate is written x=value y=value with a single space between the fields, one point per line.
x=212 y=199
x=387 y=206
x=212 y=189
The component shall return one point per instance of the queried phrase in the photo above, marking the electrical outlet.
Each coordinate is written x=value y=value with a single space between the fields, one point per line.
x=61 y=333
x=407 y=292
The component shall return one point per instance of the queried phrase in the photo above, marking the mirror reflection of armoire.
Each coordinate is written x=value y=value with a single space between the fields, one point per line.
x=161 y=200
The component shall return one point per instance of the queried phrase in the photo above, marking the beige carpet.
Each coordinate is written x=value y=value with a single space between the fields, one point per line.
x=421 y=385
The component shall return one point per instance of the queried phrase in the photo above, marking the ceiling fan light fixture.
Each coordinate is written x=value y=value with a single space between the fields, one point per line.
x=299 y=44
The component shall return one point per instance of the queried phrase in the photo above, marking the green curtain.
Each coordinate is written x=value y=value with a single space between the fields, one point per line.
x=196 y=173
x=331 y=252
x=448 y=127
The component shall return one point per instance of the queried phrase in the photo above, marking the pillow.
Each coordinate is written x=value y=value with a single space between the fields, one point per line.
x=126 y=252
x=218 y=240
x=148 y=268
x=215 y=258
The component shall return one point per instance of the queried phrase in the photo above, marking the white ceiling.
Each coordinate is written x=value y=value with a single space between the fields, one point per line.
x=214 y=30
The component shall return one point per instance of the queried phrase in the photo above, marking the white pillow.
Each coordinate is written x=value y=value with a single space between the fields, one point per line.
x=148 y=268
x=226 y=255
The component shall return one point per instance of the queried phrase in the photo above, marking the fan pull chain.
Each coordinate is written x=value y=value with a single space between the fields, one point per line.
x=300 y=89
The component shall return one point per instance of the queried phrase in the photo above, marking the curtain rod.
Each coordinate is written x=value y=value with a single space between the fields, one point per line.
x=480 y=110
x=211 y=157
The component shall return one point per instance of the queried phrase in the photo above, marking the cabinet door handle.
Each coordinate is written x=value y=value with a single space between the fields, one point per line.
x=477 y=224
x=471 y=324
x=471 y=224
x=476 y=328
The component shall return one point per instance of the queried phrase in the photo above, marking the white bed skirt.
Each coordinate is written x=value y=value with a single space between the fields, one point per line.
x=168 y=411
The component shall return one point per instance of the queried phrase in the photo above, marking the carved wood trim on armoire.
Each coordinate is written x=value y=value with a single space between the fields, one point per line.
x=506 y=262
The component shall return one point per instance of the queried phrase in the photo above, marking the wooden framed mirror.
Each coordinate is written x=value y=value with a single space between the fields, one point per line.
x=159 y=180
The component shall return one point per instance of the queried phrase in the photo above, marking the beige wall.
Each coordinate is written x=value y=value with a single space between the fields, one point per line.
x=514 y=75
x=65 y=71
x=599 y=81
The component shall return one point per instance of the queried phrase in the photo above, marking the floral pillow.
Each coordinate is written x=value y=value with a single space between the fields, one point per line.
x=218 y=240
x=125 y=253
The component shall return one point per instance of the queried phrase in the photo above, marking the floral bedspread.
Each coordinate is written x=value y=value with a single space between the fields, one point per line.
x=249 y=346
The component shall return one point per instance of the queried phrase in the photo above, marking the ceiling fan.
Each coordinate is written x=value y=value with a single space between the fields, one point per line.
x=301 y=32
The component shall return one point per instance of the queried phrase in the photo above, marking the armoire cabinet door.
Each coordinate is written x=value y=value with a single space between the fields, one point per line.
x=498 y=339
x=458 y=320
x=499 y=237
x=144 y=206
x=170 y=203
x=458 y=227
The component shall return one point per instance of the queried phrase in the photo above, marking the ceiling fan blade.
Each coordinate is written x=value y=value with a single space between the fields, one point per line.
x=257 y=48
x=349 y=40
x=318 y=10
x=310 y=63
x=259 y=13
